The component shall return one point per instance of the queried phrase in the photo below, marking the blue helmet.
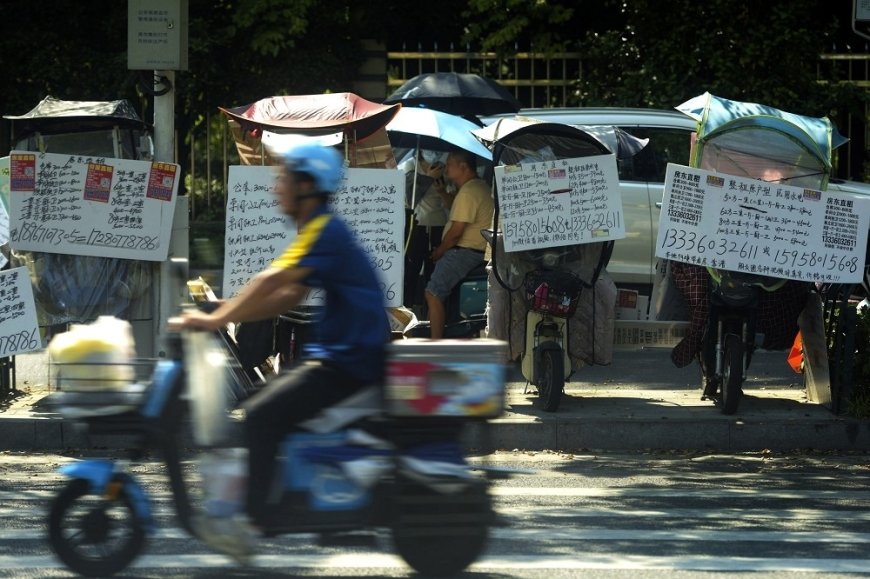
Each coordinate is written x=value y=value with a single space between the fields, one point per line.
x=324 y=164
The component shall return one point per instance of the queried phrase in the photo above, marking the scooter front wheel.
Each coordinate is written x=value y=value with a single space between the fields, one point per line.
x=93 y=535
x=551 y=379
x=732 y=379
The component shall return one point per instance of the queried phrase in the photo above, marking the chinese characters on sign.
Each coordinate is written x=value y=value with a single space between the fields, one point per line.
x=91 y=206
x=742 y=224
x=256 y=232
x=556 y=203
x=19 y=332
x=369 y=200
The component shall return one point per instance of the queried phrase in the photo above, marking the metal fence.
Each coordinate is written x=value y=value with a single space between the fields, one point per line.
x=536 y=80
x=853 y=69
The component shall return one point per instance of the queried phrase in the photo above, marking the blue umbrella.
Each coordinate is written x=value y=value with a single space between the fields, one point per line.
x=419 y=128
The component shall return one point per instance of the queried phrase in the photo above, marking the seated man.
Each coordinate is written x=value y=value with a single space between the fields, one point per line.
x=348 y=348
x=462 y=246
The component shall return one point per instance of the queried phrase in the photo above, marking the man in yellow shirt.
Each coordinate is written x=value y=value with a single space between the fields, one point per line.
x=462 y=246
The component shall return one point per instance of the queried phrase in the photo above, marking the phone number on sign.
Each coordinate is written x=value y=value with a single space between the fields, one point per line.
x=20 y=342
x=828 y=261
x=681 y=240
x=546 y=224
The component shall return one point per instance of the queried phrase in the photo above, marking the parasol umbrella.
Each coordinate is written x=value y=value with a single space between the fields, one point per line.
x=456 y=93
x=351 y=117
x=313 y=114
x=419 y=128
x=542 y=137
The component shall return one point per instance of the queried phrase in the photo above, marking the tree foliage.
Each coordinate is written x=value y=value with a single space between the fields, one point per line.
x=635 y=52
x=669 y=51
x=502 y=26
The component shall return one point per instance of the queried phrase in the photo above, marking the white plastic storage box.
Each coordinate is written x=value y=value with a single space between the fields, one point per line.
x=462 y=378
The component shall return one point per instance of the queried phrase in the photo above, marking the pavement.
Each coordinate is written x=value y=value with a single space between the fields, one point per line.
x=639 y=402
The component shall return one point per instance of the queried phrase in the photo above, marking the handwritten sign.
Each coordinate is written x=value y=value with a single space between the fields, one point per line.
x=741 y=224
x=91 y=205
x=556 y=203
x=19 y=331
x=369 y=200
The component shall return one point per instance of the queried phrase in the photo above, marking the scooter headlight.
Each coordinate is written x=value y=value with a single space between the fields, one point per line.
x=550 y=259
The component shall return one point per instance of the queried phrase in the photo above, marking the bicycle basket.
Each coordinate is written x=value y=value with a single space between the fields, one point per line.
x=553 y=292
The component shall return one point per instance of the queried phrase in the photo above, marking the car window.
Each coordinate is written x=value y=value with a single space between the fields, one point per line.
x=665 y=146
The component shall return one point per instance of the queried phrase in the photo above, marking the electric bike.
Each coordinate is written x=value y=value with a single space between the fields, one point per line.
x=542 y=287
x=764 y=143
x=731 y=335
x=416 y=482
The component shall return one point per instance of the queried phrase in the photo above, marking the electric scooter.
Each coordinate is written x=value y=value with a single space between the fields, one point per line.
x=772 y=146
x=731 y=333
x=552 y=294
x=437 y=509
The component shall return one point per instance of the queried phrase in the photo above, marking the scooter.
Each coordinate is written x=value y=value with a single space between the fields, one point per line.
x=552 y=294
x=727 y=351
x=437 y=509
x=749 y=140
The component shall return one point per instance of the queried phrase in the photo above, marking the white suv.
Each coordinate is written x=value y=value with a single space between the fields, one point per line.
x=641 y=179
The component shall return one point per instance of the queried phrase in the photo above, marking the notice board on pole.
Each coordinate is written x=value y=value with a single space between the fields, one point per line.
x=371 y=202
x=556 y=203
x=95 y=206
x=771 y=229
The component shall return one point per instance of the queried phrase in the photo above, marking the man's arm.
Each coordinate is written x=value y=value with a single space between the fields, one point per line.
x=270 y=293
x=450 y=239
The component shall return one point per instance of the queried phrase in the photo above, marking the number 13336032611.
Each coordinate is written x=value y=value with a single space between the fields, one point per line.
x=681 y=240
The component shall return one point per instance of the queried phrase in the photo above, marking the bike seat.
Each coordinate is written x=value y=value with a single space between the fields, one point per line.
x=366 y=402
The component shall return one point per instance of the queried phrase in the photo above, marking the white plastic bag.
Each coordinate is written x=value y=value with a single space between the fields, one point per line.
x=206 y=362
x=94 y=356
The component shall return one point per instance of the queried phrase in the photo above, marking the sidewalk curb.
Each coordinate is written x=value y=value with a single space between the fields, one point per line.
x=535 y=433
x=624 y=435
x=640 y=402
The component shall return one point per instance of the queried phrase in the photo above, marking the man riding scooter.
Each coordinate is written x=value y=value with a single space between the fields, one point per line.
x=347 y=351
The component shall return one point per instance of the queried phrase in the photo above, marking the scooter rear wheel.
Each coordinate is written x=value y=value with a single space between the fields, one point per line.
x=551 y=379
x=440 y=534
x=732 y=379
x=94 y=536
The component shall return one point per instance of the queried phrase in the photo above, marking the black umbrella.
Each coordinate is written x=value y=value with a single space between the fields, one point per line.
x=456 y=93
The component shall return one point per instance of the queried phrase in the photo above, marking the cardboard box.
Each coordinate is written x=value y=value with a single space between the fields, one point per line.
x=463 y=378
x=631 y=305
x=647 y=334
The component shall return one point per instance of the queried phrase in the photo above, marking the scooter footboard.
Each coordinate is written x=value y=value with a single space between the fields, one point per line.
x=331 y=473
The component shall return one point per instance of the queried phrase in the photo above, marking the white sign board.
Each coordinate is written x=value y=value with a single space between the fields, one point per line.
x=370 y=201
x=741 y=224
x=19 y=331
x=157 y=33
x=91 y=206
x=556 y=203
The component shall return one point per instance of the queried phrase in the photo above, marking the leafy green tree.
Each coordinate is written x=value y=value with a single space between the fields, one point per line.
x=668 y=51
x=503 y=25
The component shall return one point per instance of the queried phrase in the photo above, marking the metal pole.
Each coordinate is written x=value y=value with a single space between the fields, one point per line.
x=167 y=298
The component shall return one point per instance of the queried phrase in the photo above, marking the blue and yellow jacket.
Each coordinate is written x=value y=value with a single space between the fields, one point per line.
x=352 y=328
